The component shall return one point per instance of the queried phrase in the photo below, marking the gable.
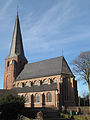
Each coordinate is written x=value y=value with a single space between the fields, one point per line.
x=65 y=68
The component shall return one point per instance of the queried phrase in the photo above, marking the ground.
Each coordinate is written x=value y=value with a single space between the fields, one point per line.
x=76 y=117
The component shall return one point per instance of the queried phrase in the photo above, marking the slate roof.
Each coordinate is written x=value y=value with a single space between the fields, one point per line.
x=53 y=66
x=36 y=88
x=17 y=45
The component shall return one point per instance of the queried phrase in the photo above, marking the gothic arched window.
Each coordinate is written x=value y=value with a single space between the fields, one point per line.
x=13 y=62
x=49 y=97
x=55 y=80
x=19 y=85
x=27 y=84
x=23 y=84
x=45 y=81
x=50 y=80
x=37 y=98
x=8 y=64
x=27 y=98
x=35 y=83
x=30 y=84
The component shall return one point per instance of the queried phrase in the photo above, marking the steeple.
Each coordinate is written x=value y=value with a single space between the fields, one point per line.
x=17 y=45
x=16 y=60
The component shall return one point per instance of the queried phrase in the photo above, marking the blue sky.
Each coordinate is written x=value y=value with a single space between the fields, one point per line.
x=48 y=27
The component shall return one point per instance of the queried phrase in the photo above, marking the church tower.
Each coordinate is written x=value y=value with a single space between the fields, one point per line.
x=16 y=60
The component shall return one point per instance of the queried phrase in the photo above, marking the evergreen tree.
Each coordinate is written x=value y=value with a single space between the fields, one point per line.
x=11 y=106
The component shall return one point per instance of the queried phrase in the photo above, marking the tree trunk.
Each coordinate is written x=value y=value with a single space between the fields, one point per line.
x=89 y=92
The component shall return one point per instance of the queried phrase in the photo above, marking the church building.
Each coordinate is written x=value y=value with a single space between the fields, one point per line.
x=47 y=83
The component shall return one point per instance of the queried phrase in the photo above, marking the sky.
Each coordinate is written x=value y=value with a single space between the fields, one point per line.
x=50 y=28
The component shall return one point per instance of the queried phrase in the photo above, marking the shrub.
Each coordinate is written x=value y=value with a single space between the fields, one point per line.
x=11 y=106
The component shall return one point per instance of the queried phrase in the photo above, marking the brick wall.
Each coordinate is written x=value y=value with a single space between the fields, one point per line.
x=13 y=67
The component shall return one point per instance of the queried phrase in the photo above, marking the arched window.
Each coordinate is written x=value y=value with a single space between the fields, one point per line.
x=37 y=98
x=27 y=84
x=50 y=80
x=35 y=83
x=19 y=85
x=8 y=64
x=39 y=82
x=13 y=62
x=23 y=84
x=21 y=95
x=55 y=80
x=27 y=98
x=45 y=81
x=30 y=84
x=49 y=97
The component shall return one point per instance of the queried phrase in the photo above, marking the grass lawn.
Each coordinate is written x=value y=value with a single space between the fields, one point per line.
x=76 y=117
x=81 y=117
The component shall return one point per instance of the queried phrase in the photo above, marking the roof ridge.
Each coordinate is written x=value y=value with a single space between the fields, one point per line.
x=45 y=60
x=49 y=67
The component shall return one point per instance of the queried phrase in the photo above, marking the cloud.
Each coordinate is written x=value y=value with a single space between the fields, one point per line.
x=48 y=25
x=54 y=28
x=4 y=8
x=50 y=21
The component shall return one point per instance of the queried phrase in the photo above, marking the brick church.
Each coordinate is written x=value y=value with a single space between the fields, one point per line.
x=47 y=83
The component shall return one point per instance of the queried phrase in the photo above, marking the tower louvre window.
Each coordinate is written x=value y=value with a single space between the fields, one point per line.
x=8 y=64
x=13 y=62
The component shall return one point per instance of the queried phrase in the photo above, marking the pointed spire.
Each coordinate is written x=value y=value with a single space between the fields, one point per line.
x=17 y=45
x=17 y=10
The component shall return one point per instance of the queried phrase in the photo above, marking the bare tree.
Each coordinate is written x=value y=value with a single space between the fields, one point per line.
x=85 y=97
x=82 y=67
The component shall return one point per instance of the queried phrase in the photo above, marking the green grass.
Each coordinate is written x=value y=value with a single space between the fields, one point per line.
x=76 y=117
x=81 y=117
x=62 y=115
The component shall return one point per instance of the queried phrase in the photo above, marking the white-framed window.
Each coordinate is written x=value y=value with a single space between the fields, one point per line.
x=19 y=84
x=37 y=98
x=55 y=80
x=27 y=98
x=45 y=81
x=49 y=97
x=35 y=82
